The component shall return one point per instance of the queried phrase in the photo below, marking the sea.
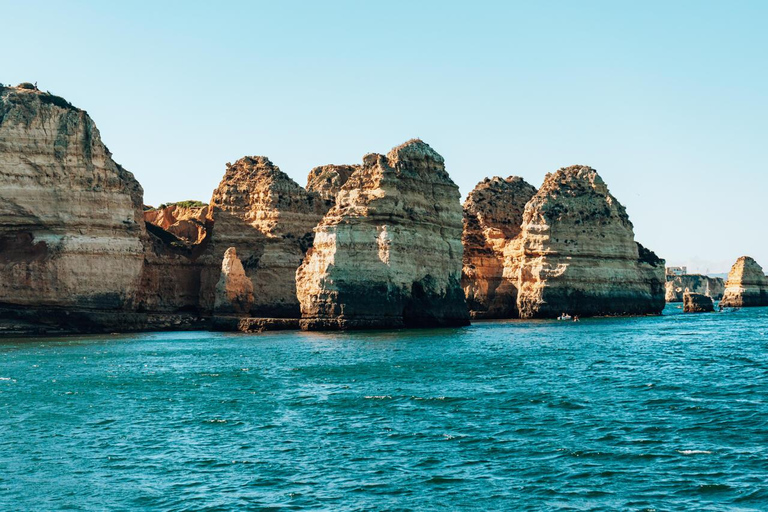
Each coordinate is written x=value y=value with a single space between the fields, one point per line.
x=648 y=413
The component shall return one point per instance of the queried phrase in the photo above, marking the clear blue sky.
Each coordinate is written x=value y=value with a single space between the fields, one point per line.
x=667 y=100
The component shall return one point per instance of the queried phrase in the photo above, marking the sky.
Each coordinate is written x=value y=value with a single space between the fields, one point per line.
x=667 y=100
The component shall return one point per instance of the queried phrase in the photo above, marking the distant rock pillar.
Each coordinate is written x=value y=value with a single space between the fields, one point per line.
x=234 y=291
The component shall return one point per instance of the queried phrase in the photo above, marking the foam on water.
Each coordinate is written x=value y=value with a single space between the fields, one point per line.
x=657 y=413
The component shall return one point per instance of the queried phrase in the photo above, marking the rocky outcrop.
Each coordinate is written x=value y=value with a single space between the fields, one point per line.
x=747 y=285
x=171 y=275
x=697 y=303
x=79 y=254
x=269 y=219
x=173 y=265
x=234 y=291
x=184 y=221
x=71 y=225
x=389 y=253
x=493 y=217
x=326 y=181
x=676 y=286
x=577 y=254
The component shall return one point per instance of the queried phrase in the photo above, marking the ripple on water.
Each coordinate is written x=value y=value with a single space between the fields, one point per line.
x=658 y=413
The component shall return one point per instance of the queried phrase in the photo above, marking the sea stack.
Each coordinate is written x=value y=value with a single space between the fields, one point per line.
x=577 y=253
x=697 y=303
x=71 y=225
x=493 y=217
x=234 y=291
x=389 y=253
x=268 y=219
x=747 y=285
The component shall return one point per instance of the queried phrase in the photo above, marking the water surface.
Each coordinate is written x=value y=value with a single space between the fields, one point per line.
x=664 y=413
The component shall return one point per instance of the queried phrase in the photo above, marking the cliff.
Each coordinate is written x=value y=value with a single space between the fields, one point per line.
x=71 y=225
x=326 y=181
x=746 y=286
x=493 y=217
x=269 y=219
x=676 y=286
x=389 y=253
x=187 y=222
x=577 y=254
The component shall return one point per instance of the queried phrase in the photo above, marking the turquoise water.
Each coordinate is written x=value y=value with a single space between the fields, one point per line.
x=664 y=413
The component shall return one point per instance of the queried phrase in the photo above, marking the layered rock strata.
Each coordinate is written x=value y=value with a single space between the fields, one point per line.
x=493 y=217
x=171 y=275
x=389 y=253
x=577 y=254
x=676 y=286
x=173 y=262
x=189 y=224
x=71 y=225
x=697 y=303
x=326 y=181
x=747 y=285
x=269 y=219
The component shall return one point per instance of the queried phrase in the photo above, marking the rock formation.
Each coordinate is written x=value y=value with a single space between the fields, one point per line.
x=493 y=217
x=187 y=221
x=172 y=273
x=79 y=253
x=577 y=254
x=327 y=180
x=676 y=286
x=747 y=285
x=269 y=219
x=234 y=291
x=71 y=225
x=697 y=303
x=389 y=253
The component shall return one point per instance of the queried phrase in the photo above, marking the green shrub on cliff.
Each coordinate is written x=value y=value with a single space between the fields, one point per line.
x=189 y=203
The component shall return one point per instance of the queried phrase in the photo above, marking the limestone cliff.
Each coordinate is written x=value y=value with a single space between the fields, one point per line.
x=188 y=222
x=71 y=225
x=171 y=275
x=577 y=254
x=676 y=286
x=389 y=253
x=269 y=219
x=173 y=265
x=327 y=180
x=493 y=217
x=747 y=285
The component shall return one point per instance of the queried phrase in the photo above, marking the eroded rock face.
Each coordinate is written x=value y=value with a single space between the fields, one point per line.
x=327 y=180
x=389 y=253
x=747 y=285
x=676 y=286
x=269 y=219
x=71 y=225
x=493 y=217
x=697 y=303
x=188 y=223
x=234 y=291
x=577 y=253
x=172 y=275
